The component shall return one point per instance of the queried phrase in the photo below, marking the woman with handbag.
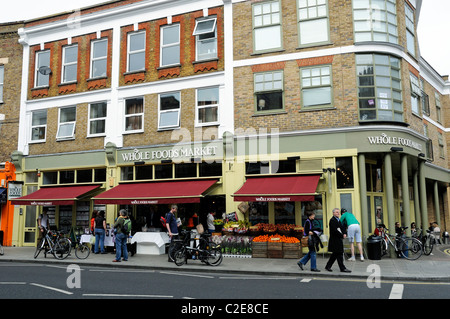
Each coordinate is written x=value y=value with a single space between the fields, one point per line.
x=313 y=233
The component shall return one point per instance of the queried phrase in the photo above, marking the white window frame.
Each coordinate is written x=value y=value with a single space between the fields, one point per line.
x=64 y=64
x=170 y=45
x=105 y=57
x=410 y=32
x=37 y=74
x=38 y=127
x=68 y=123
x=140 y=114
x=130 y=53
x=202 y=37
x=200 y=107
x=90 y=119
x=160 y=112
x=2 y=81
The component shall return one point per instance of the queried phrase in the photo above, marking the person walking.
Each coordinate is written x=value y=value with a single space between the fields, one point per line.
x=353 y=232
x=335 y=245
x=171 y=225
x=121 y=237
x=312 y=233
x=100 y=231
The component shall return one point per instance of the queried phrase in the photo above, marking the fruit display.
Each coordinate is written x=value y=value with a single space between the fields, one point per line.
x=276 y=237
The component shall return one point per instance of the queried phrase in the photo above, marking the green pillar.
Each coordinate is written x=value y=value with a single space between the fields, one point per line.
x=416 y=199
x=389 y=196
x=423 y=195
x=405 y=193
x=437 y=211
x=363 y=195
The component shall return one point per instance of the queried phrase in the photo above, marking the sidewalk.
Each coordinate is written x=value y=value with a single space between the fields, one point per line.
x=435 y=267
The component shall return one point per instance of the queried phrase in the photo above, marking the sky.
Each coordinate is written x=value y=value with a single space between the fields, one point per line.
x=434 y=22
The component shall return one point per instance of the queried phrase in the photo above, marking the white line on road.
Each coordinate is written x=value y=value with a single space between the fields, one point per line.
x=51 y=288
x=12 y=283
x=184 y=274
x=396 y=291
x=126 y=296
x=306 y=280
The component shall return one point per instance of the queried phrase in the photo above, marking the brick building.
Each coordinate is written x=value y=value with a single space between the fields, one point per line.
x=210 y=104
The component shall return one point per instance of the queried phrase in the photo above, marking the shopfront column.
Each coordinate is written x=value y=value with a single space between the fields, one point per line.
x=389 y=194
x=405 y=193
x=416 y=198
x=423 y=195
x=363 y=194
x=436 y=203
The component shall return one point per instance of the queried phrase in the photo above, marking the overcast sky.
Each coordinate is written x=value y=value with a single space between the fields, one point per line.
x=434 y=23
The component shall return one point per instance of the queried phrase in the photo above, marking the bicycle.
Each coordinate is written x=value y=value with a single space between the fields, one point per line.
x=408 y=247
x=203 y=250
x=82 y=250
x=55 y=244
x=427 y=242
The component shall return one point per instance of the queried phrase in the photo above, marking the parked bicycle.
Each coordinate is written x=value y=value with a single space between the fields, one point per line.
x=197 y=248
x=54 y=243
x=408 y=247
x=82 y=250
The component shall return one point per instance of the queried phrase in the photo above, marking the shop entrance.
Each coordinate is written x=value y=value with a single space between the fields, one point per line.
x=375 y=206
x=30 y=229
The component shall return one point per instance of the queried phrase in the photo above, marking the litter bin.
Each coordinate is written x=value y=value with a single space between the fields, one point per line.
x=374 y=248
x=445 y=238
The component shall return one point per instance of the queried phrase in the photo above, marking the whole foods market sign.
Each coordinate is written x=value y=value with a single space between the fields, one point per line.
x=385 y=139
x=173 y=154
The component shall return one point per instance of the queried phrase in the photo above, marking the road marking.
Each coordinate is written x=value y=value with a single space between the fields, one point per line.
x=12 y=283
x=185 y=274
x=396 y=291
x=306 y=280
x=126 y=296
x=51 y=288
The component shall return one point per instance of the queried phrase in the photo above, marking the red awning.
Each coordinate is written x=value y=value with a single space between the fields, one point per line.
x=52 y=196
x=278 y=189
x=155 y=193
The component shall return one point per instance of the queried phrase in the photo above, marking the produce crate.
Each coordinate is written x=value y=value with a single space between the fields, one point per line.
x=291 y=246
x=275 y=245
x=275 y=253
x=304 y=242
x=292 y=250
x=259 y=250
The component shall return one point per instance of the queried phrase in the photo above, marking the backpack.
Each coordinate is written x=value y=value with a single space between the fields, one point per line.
x=163 y=221
x=126 y=227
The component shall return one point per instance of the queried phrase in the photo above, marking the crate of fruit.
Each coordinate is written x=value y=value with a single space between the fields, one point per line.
x=275 y=244
x=275 y=253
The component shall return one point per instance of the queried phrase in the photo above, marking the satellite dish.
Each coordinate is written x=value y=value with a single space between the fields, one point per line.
x=45 y=70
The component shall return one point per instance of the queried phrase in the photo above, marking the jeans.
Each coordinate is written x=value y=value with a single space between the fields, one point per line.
x=121 y=244
x=310 y=255
x=99 y=240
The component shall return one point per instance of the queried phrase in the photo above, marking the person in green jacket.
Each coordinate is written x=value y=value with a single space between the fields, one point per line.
x=353 y=232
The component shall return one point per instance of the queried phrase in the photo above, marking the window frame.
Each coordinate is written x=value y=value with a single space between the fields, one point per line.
x=258 y=108
x=37 y=74
x=416 y=94
x=137 y=114
x=410 y=30
x=105 y=57
x=256 y=27
x=200 y=107
x=437 y=99
x=173 y=44
x=2 y=82
x=60 y=124
x=301 y=21
x=64 y=64
x=313 y=87
x=199 y=41
x=38 y=126
x=90 y=119
x=129 y=52
x=160 y=112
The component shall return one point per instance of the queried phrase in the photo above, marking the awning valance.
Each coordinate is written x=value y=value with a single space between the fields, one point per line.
x=168 y=192
x=278 y=189
x=52 y=196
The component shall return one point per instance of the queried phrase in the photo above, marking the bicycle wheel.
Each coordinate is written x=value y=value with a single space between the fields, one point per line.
x=384 y=247
x=428 y=246
x=410 y=248
x=61 y=248
x=1 y=250
x=174 y=246
x=180 y=257
x=82 y=251
x=214 y=256
x=39 y=247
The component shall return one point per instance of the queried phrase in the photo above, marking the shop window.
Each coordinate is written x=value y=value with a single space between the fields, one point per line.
x=42 y=60
x=67 y=177
x=38 y=126
x=268 y=88
x=126 y=173
x=136 y=51
x=284 y=212
x=170 y=45
x=84 y=176
x=100 y=175
x=50 y=178
x=313 y=22
x=31 y=177
x=163 y=171
x=69 y=64
x=258 y=213
x=185 y=170
x=169 y=110
x=144 y=172
x=346 y=201
x=287 y=166
x=67 y=120
x=257 y=168
x=210 y=169
x=316 y=87
x=344 y=172
x=205 y=33
x=99 y=55
x=267 y=26
x=97 y=119
x=207 y=106
x=374 y=178
x=313 y=207
x=134 y=115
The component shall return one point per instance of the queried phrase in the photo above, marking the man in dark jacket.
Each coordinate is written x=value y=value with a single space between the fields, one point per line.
x=335 y=245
